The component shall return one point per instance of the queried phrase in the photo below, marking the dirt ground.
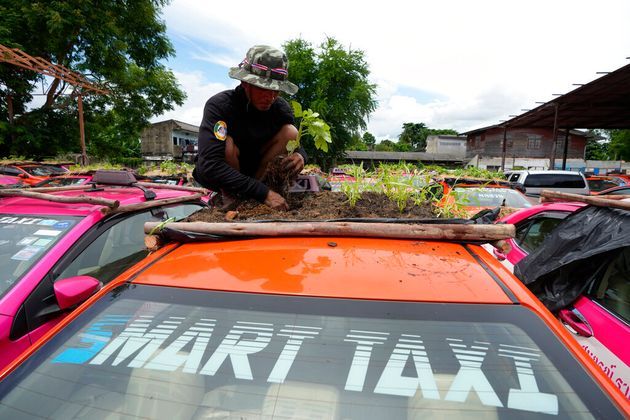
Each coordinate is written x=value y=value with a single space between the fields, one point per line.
x=325 y=205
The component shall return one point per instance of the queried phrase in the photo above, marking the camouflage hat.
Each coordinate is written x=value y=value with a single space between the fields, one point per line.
x=265 y=67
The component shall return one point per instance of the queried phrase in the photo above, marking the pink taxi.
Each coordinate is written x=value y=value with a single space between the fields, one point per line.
x=55 y=242
x=599 y=315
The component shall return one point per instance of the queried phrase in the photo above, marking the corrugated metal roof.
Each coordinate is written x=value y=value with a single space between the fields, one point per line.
x=603 y=103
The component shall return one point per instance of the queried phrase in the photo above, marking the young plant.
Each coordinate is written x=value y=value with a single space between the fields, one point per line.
x=311 y=124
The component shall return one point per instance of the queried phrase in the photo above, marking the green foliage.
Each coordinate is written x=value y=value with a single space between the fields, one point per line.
x=119 y=44
x=414 y=136
x=311 y=124
x=170 y=167
x=596 y=145
x=619 y=147
x=369 y=140
x=333 y=82
x=385 y=146
x=473 y=172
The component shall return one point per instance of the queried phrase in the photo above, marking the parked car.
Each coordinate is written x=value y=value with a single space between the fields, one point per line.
x=598 y=183
x=48 y=247
x=262 y=327
x=10 y=182
x=533 y=225
x=562 y=181
x=479 y=194
x=621 y=190
x=65 y=180
x=562 y=243
x=30 y=173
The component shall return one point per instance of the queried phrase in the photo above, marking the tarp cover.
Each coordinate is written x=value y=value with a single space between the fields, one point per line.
x=577 y=251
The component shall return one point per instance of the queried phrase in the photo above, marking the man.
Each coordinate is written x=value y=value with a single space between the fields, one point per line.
x=243 y=129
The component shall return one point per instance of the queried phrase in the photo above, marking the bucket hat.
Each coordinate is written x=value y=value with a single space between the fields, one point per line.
x=265 y=67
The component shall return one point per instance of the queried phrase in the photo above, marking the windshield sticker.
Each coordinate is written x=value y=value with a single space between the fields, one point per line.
x=63 y=224
x=26 y=253
x=20 y=220
x=42 y=242
x=27 y=241
x=47 y=222
x=162 y=344
x=47 y=232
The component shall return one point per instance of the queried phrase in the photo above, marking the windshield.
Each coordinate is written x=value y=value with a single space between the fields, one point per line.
x=39 y=170
x=490 y=197
x=191 y=354
x=61 y=182
x=24 y=240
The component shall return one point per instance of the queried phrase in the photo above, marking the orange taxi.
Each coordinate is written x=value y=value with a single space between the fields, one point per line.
x=243 y=325
x=474 y=195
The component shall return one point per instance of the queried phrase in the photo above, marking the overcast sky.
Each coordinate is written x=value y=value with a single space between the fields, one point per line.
x=459 y=64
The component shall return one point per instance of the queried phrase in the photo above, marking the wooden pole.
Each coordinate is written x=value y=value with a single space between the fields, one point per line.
x=157 y=203
x=84 y=159
x=566 y=149
x=504 y=151
x=112 y=204
x=454 y=232
x=174 y=187
x=600 y=201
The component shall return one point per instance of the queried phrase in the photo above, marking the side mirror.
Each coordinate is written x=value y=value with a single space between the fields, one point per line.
x=500 y=255
x=74 y=290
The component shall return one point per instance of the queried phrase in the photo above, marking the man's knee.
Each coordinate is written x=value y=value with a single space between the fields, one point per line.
x=287 y=133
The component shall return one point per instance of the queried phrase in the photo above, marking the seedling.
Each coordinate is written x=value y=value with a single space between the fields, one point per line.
x=312 y=125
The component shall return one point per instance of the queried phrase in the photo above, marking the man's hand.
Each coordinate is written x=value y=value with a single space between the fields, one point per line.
x=275 y=201
x=294 y=163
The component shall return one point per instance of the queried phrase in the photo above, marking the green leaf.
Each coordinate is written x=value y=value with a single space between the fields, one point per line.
x=297 y=109
x=292 y=145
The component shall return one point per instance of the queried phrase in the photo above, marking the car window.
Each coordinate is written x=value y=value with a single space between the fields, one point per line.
x=531 y=234
x=612 y=289
x=194 y=354
x=555 y=181
x=621 y=191
x=38 y=170
x=5 y=170
x=24 y=240
x=514 y=177
x=120 y=246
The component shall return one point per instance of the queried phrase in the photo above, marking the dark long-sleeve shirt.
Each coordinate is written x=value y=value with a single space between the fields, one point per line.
x=250 y=129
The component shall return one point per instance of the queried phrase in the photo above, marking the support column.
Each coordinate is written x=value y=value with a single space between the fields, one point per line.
x=566 y=149
x=84 y=159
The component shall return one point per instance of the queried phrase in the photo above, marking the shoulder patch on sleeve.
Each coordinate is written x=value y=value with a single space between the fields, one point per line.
x=220 y=130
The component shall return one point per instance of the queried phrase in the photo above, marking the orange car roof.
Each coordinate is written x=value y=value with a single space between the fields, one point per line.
x=360 y=268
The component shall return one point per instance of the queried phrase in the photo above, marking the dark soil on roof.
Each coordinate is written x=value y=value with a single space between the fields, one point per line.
x=325 y=205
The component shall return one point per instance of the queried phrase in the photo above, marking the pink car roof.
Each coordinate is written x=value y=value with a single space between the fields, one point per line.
x=530 y=211
x=125 y=195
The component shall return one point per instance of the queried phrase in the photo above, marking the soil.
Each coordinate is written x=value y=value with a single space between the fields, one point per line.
x=324 y=205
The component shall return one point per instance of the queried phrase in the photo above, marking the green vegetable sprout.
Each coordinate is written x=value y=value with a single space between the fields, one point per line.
x=311 y=124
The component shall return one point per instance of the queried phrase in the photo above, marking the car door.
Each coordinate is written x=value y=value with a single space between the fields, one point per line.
x=600 y=320
x=105 y=251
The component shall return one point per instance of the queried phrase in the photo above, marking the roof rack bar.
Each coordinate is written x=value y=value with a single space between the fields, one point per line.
x=456 y=232
x=111 y=204
x=154 y=203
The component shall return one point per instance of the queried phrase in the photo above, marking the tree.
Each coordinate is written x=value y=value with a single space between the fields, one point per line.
x=369 y=140
x=385 y=146
x=415 y=135
x=619 y=147
x=333 y=82
x=596 y=146
x=120 y=44
x=357 y=143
